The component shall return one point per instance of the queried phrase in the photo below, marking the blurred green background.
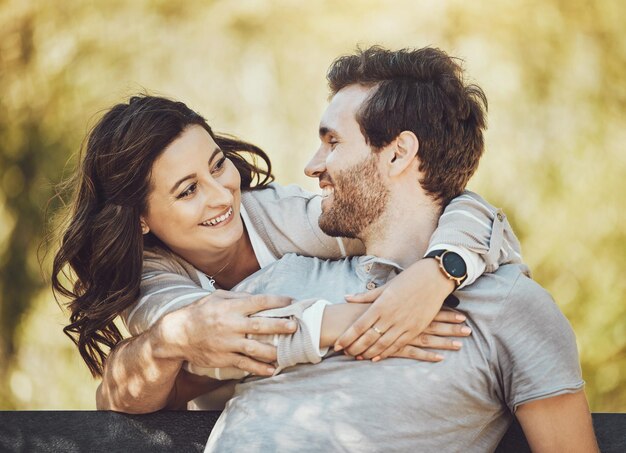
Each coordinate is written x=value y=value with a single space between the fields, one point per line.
x=556 y=161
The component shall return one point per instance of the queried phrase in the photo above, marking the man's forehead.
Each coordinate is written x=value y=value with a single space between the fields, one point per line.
x=343 y=106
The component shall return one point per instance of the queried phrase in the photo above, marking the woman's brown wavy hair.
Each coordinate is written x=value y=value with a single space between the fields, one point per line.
x=98 y=265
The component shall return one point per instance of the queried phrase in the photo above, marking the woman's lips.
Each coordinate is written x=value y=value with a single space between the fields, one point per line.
x=220 y=220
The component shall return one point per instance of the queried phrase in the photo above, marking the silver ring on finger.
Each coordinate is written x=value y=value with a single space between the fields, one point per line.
x=377 y=330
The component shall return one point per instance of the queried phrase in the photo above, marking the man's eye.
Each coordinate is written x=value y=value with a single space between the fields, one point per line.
x=333 y=144
x=188 y=191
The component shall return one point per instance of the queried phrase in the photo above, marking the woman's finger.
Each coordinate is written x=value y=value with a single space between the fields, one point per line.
x=404 y=339
x=383 y=343
x=412 y=352
x=250 y=365
x=434 y=342
x=450 y=316
x=367 y=340
x=366 y=297
x=223 y=294
x=266 y=326
x=259 y=302
x=357 y=329
x=257 y=350
x=444 y=329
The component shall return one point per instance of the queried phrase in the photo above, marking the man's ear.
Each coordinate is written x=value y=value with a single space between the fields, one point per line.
x=145 y=229
x=405 y=150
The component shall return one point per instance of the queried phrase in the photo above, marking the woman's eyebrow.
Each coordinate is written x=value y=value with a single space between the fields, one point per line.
x=215 y=151
x=180 y=181
x=193 y=175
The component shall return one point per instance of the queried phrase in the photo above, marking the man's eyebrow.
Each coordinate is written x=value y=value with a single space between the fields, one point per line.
x=193 y=175
x=324 y=131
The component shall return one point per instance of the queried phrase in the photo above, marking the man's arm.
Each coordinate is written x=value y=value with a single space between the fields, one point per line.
x=561 y=423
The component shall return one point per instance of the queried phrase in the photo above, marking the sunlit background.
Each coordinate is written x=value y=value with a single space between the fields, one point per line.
x=556 y=161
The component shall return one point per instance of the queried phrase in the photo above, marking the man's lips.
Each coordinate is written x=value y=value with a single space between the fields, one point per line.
x=327 y=191
x=220 y=219
x=326 y=185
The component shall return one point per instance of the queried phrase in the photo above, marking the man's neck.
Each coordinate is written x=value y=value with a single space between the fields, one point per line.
x=403 y=232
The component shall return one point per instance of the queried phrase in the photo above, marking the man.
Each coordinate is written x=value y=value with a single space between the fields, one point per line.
x=401 y=137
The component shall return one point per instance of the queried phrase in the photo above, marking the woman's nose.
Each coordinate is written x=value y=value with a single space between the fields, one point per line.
x=217 y=194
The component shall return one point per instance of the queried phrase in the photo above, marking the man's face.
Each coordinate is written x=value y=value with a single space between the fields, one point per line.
x=354 y=194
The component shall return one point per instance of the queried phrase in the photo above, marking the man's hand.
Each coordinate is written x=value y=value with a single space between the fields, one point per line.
x=401 y=311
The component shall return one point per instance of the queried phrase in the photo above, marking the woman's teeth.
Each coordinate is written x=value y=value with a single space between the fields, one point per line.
x=218 y=220
x=327 y=191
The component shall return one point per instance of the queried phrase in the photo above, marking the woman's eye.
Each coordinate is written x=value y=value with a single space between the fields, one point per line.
x=188 y=191
x=219 y=165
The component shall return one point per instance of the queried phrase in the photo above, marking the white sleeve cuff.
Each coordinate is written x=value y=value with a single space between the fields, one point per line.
x=473 y=261
x=312 y=317
x=221 y=374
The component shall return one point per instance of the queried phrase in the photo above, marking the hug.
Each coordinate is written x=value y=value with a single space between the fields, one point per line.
x=318 y=322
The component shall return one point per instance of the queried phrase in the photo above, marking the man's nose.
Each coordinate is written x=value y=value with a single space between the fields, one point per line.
x=317 y=164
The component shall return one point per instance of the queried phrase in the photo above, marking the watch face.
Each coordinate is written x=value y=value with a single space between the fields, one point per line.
x=454 y=264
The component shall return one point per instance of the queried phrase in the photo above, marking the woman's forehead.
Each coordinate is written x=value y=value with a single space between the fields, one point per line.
x=187 y=154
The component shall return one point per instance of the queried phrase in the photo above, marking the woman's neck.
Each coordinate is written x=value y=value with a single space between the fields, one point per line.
x=227 y=267
x=244 y=263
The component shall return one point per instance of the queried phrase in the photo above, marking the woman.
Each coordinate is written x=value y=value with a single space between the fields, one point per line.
x=172 y=222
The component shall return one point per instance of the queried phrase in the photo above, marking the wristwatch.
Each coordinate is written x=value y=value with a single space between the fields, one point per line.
x=451 y=264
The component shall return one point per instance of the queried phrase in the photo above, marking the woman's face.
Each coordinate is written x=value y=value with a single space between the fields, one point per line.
x=193 y=205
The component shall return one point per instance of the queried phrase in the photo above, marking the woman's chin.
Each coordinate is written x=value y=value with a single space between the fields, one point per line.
x=223 y=236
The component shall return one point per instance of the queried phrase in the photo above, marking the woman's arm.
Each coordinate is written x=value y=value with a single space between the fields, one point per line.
x=439 y=334
x=141 y=373
x=303 y=346
x=405 y=306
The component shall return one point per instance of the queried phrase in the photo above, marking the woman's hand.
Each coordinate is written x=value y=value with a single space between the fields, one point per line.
x=437 y=335
x=211 y=332
x=401 y=311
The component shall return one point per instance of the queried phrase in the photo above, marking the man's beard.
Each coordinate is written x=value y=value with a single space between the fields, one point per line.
x=359 y=199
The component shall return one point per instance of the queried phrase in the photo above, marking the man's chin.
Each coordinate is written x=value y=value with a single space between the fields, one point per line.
x=331 y=226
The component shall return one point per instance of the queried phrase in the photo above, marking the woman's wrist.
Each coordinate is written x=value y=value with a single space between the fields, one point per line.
x=337 y=318
x=165 y=339
x=443 y=284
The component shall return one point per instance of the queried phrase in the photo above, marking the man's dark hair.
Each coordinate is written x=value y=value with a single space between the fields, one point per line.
x=421 y=91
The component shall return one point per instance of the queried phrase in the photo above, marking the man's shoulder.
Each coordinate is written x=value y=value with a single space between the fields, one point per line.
x=508 y=292
x=517 y=303
x=521 y=289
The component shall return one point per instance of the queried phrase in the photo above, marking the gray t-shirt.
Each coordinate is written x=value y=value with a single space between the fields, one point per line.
x=521 y=349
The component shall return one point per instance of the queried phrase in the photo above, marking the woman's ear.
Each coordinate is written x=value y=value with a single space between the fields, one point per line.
x=145 y=229
x=405 y=150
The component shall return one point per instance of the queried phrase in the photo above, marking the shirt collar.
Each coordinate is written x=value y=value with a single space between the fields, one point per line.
x=376 y=270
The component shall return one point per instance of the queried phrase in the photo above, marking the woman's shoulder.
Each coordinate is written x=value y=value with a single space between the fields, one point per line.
x=275 y=192
x=160 y=260
x=286 y=219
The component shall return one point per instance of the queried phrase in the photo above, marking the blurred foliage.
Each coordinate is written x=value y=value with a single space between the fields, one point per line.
x=556 y=160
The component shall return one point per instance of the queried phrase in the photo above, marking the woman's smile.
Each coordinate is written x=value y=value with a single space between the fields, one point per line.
x=220 y=220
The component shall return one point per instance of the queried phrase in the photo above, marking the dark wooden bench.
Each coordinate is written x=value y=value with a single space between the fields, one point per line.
x=100 y=431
